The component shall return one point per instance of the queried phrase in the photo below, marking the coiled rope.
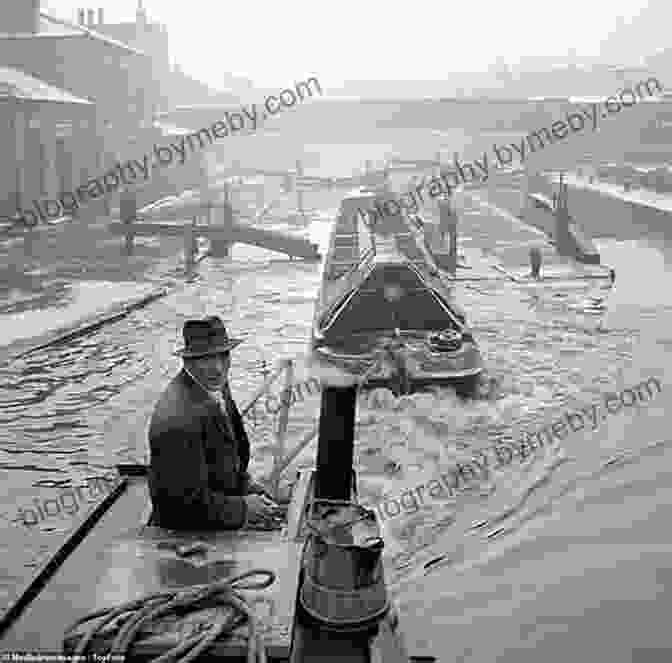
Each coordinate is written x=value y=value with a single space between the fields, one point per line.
x=137 y=614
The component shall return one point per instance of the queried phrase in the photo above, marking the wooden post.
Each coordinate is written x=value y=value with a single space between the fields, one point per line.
x=19 y=125
x=535 y=262
x=261 y=195
x=283 y=420
x=299 y=192
x=189 y=257
x=128 y=211
x=221 y=247
x=448 y=226
x=524 y=190
x=285 y=462
x=268 y=381
x=561 y=230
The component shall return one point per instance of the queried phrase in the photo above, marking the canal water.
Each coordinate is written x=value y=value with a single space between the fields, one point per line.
x=574 y=538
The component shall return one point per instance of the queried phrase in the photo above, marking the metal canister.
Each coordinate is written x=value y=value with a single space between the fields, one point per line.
x=343 y=573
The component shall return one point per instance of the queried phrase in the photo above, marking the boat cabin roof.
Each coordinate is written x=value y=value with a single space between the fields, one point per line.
x=118 y=563
x=391 y=294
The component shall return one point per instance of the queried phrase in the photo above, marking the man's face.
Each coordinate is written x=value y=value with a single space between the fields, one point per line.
x=211 y=370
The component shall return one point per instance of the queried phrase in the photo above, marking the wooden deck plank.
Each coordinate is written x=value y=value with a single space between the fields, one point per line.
x=137 y=567
x=121 y=561
x=51 y=567
x=69 y=593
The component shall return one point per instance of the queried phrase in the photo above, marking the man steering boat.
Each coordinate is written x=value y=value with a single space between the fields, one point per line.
x=199 y=449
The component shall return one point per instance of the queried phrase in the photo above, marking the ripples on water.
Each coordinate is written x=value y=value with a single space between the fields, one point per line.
x=68 y=414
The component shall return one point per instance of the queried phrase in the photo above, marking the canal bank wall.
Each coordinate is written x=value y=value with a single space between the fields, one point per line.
x=66 y=279
x=608 y=212
x=603 y=211
x=94 y=305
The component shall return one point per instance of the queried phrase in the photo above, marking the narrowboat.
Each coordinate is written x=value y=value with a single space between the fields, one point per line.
x=308 y=589
x=385 y=310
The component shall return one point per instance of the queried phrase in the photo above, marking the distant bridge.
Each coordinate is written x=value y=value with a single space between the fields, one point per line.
x=177 y=217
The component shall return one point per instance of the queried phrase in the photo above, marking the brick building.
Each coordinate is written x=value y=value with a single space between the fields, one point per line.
x=34 y=118
x=116 y=77
x=171 y=88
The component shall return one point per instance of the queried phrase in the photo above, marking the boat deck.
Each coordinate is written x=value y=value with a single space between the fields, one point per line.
x=116 y=563
x=106 y=570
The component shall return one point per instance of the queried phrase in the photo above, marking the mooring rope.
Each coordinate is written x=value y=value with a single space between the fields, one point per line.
x=138 y=614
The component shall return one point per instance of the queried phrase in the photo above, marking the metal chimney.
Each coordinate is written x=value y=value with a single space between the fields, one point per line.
x=91 y=17
x=101 y=16
x=82 y=17
x=140 y=15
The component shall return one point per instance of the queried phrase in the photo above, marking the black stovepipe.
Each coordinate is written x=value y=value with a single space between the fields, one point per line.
x=314 y=641
x=311 y=642
x=335 y=446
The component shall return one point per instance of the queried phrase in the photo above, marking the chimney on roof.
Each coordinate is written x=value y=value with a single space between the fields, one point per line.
x=140 y=15
x=101 y=16
x=82 y=16
x=20 y=17
x=91 y=17
x=35 y=7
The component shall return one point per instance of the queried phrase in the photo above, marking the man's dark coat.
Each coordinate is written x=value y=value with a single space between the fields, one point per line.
x=198 y=473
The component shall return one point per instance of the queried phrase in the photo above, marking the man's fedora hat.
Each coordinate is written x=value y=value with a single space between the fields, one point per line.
x=206 y=337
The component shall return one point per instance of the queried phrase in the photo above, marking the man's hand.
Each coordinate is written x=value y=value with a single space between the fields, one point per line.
x=266 y=486
x=258 y=488
x=261 y=508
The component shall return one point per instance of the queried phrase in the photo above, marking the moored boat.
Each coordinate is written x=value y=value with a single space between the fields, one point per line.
x=385 y=310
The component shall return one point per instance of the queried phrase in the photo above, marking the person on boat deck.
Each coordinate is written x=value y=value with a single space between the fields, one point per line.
x=199 y=449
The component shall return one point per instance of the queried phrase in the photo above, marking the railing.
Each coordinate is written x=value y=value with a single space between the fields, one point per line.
x=281 y=458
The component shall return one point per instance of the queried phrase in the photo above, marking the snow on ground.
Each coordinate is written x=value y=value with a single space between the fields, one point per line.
x=87 y=299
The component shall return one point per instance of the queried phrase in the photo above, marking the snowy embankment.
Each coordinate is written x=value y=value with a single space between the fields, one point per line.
x=89 y=301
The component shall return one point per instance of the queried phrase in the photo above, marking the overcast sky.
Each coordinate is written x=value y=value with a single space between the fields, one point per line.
x=273 y=42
